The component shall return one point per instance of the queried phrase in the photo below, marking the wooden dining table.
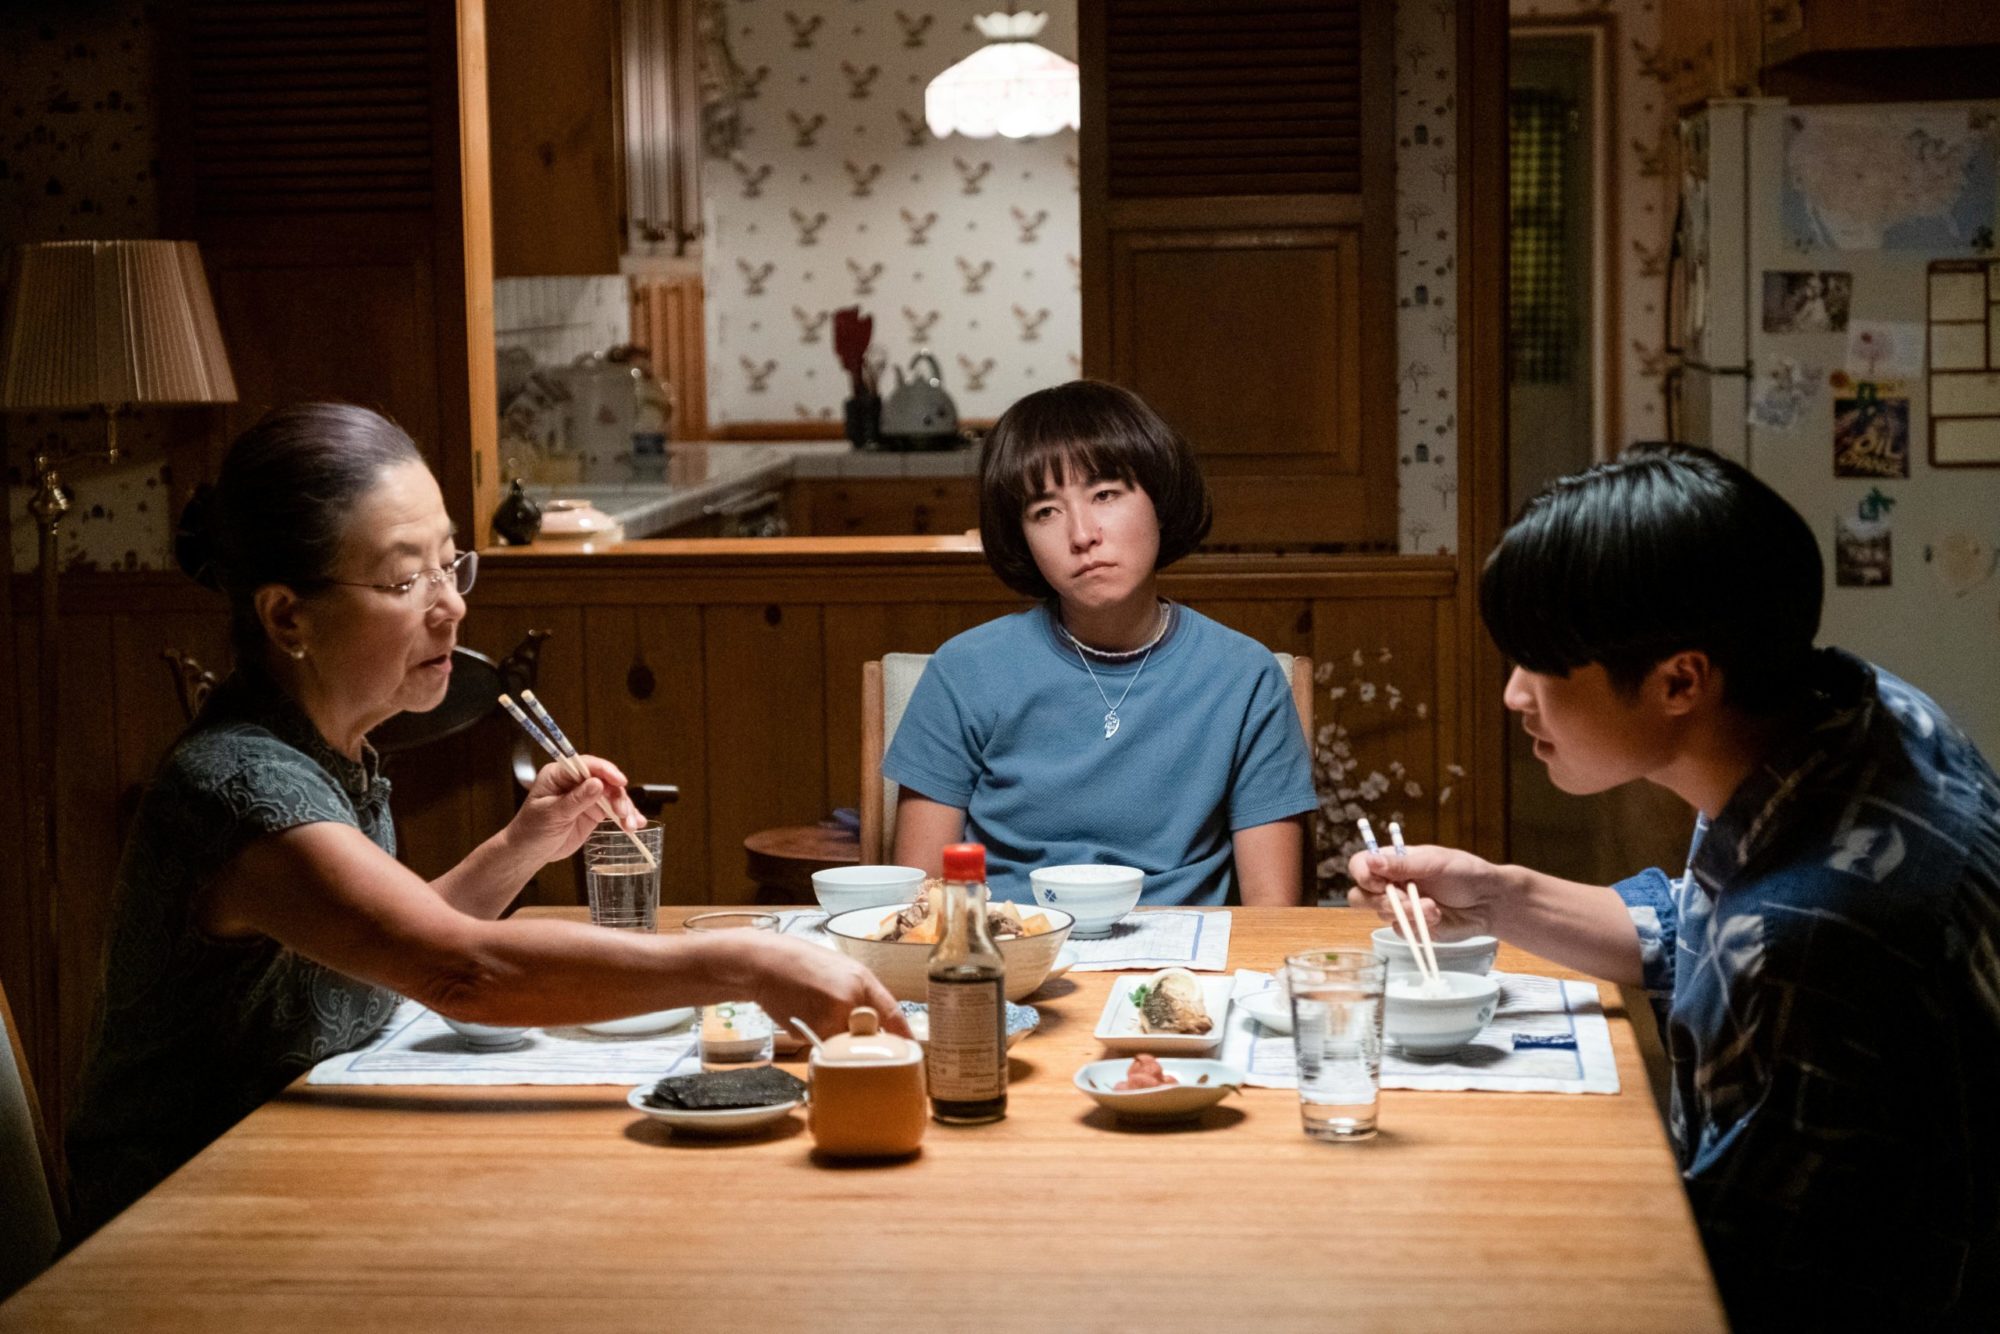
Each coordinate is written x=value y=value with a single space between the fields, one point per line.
x=560 y=1208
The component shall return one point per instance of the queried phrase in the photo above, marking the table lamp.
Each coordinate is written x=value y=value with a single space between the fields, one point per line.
x=106 y=325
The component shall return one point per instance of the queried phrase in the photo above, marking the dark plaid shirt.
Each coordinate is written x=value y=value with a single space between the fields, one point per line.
x=1829 y=967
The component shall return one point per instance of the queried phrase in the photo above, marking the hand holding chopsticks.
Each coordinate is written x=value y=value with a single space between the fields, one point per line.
x=565 y=755
x=1412 y=924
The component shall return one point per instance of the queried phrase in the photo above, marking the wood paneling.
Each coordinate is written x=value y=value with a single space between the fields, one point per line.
x=880 y=506
x=645 y=689
x=767 y=744
x=667 y=322
x=556 y=130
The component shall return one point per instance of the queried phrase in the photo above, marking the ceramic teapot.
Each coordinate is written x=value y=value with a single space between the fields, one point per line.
x=918 y=413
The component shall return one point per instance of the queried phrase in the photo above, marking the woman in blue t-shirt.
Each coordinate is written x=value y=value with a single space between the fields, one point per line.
x=1106 y=724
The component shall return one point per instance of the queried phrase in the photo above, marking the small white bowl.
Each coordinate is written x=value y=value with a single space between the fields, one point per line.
x=845 y=888
x=1272 y=1009
x=722 y=1121
x=1433 y=1025
x=1474 y=954
x=904 y=966
x=491 y=1037
x=1097 y=896
x=1202 y=1085
x=641 y=1025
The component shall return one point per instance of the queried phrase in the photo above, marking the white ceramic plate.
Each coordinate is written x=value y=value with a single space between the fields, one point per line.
x=1272 y=1009
x=1202 y=1085
x=724 y=1121
x=1118 y=1027
x=641 y=1025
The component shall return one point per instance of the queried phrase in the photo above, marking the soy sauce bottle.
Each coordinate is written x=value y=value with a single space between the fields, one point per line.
x=966 y=1064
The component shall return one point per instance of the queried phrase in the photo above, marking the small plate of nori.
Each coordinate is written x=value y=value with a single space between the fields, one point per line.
x=720 y=1102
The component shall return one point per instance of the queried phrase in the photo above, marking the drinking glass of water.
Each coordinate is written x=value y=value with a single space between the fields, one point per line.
x=624 y=890
x=1337 y=1040
x=734 y=1033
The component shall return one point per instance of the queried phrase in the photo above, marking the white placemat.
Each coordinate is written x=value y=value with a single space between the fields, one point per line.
x=1169 y=938
x=416 y=1047
x=1172 y=938
x=1547 y=1036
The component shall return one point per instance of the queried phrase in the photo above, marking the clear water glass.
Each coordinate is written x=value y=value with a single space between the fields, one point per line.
x=624 y=891
x=732 y=1034
x=1337 y=1040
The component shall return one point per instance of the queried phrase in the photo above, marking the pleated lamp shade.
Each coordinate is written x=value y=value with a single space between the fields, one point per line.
x=110 y=323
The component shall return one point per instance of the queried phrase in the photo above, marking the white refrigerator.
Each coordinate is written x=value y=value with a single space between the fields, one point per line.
x=1836 y=301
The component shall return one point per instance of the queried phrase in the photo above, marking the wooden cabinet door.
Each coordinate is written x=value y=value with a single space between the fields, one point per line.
x=1239 y=250
x=557 y=137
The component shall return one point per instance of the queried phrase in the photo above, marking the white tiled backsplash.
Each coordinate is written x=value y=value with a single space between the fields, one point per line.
x=557 y=320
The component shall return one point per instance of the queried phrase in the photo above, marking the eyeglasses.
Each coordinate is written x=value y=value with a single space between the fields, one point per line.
x=427 y=586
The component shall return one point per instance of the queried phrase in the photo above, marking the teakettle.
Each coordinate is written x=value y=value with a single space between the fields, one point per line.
x=918 y=413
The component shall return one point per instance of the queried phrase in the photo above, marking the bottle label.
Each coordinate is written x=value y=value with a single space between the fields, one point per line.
x=967 y=1059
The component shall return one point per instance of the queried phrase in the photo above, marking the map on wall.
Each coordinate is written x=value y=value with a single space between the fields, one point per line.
x=1866 y=179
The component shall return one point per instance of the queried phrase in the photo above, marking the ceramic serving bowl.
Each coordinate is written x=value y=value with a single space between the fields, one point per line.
x=1202 y=1085
x=902 y=965
x=1432 y=1025
x=1474 y=954
x=485 y=1035
x=845 y=888
x=1097 y=896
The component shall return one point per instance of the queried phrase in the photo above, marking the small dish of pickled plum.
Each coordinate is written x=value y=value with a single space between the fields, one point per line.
x=1149 y=1088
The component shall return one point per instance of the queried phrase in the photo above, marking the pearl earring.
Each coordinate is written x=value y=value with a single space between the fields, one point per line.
x=298 y=653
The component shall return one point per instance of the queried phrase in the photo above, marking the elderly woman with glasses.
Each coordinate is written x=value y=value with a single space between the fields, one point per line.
x=263 y=921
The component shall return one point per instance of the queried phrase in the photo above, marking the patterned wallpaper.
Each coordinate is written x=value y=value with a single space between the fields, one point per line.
x=839 y=195
x=1427 y=275
x=77 y=146
x=1645 y=203
x=77 y=159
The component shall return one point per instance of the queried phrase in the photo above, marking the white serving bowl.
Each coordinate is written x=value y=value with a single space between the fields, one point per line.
x=1474 y=954
x=1432 y=1025
x=1097 y=896
x=1202 y=1085
x=485 y=1035
x=845 y=888
x=902 y=966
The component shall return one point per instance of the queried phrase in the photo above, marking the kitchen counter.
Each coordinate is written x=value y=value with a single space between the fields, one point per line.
x=703 y=476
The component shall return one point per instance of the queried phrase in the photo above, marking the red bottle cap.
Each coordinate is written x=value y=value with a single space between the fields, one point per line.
x=965 y=861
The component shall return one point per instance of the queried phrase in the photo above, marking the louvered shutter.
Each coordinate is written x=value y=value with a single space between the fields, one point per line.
x=1238 y=229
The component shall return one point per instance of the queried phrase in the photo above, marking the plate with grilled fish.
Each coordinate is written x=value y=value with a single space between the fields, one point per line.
x=1171 y=1012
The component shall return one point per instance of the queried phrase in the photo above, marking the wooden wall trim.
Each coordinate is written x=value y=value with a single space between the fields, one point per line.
x=1483 y=42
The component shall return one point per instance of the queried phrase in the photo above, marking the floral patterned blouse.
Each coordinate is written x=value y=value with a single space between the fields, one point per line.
x=194 y=1032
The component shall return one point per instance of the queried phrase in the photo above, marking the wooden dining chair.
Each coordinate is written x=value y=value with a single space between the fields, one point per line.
x=886 y=685
x=29 y=1179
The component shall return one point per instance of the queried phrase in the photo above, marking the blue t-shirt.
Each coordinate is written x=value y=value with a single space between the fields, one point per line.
x=1007 y=725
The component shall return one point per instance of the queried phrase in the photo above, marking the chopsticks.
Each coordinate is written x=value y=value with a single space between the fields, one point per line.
x=562 y=752
x=1412 y=924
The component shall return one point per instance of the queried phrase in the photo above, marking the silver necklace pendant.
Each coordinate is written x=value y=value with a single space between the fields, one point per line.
x=1111 y=724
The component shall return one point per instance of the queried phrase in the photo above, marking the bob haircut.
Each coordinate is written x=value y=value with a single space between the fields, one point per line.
x=1103 y=433
x=1664 y=549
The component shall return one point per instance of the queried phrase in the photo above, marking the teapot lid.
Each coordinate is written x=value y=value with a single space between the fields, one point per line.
x=864 y=1043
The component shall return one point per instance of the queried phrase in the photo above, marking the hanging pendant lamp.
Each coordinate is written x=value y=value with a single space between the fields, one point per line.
x=1012 y=86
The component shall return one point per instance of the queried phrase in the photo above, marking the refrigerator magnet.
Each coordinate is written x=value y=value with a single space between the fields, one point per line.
x=1861 y=557
x=1961 y=561
x=1871 y=434
x=1806 y=302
